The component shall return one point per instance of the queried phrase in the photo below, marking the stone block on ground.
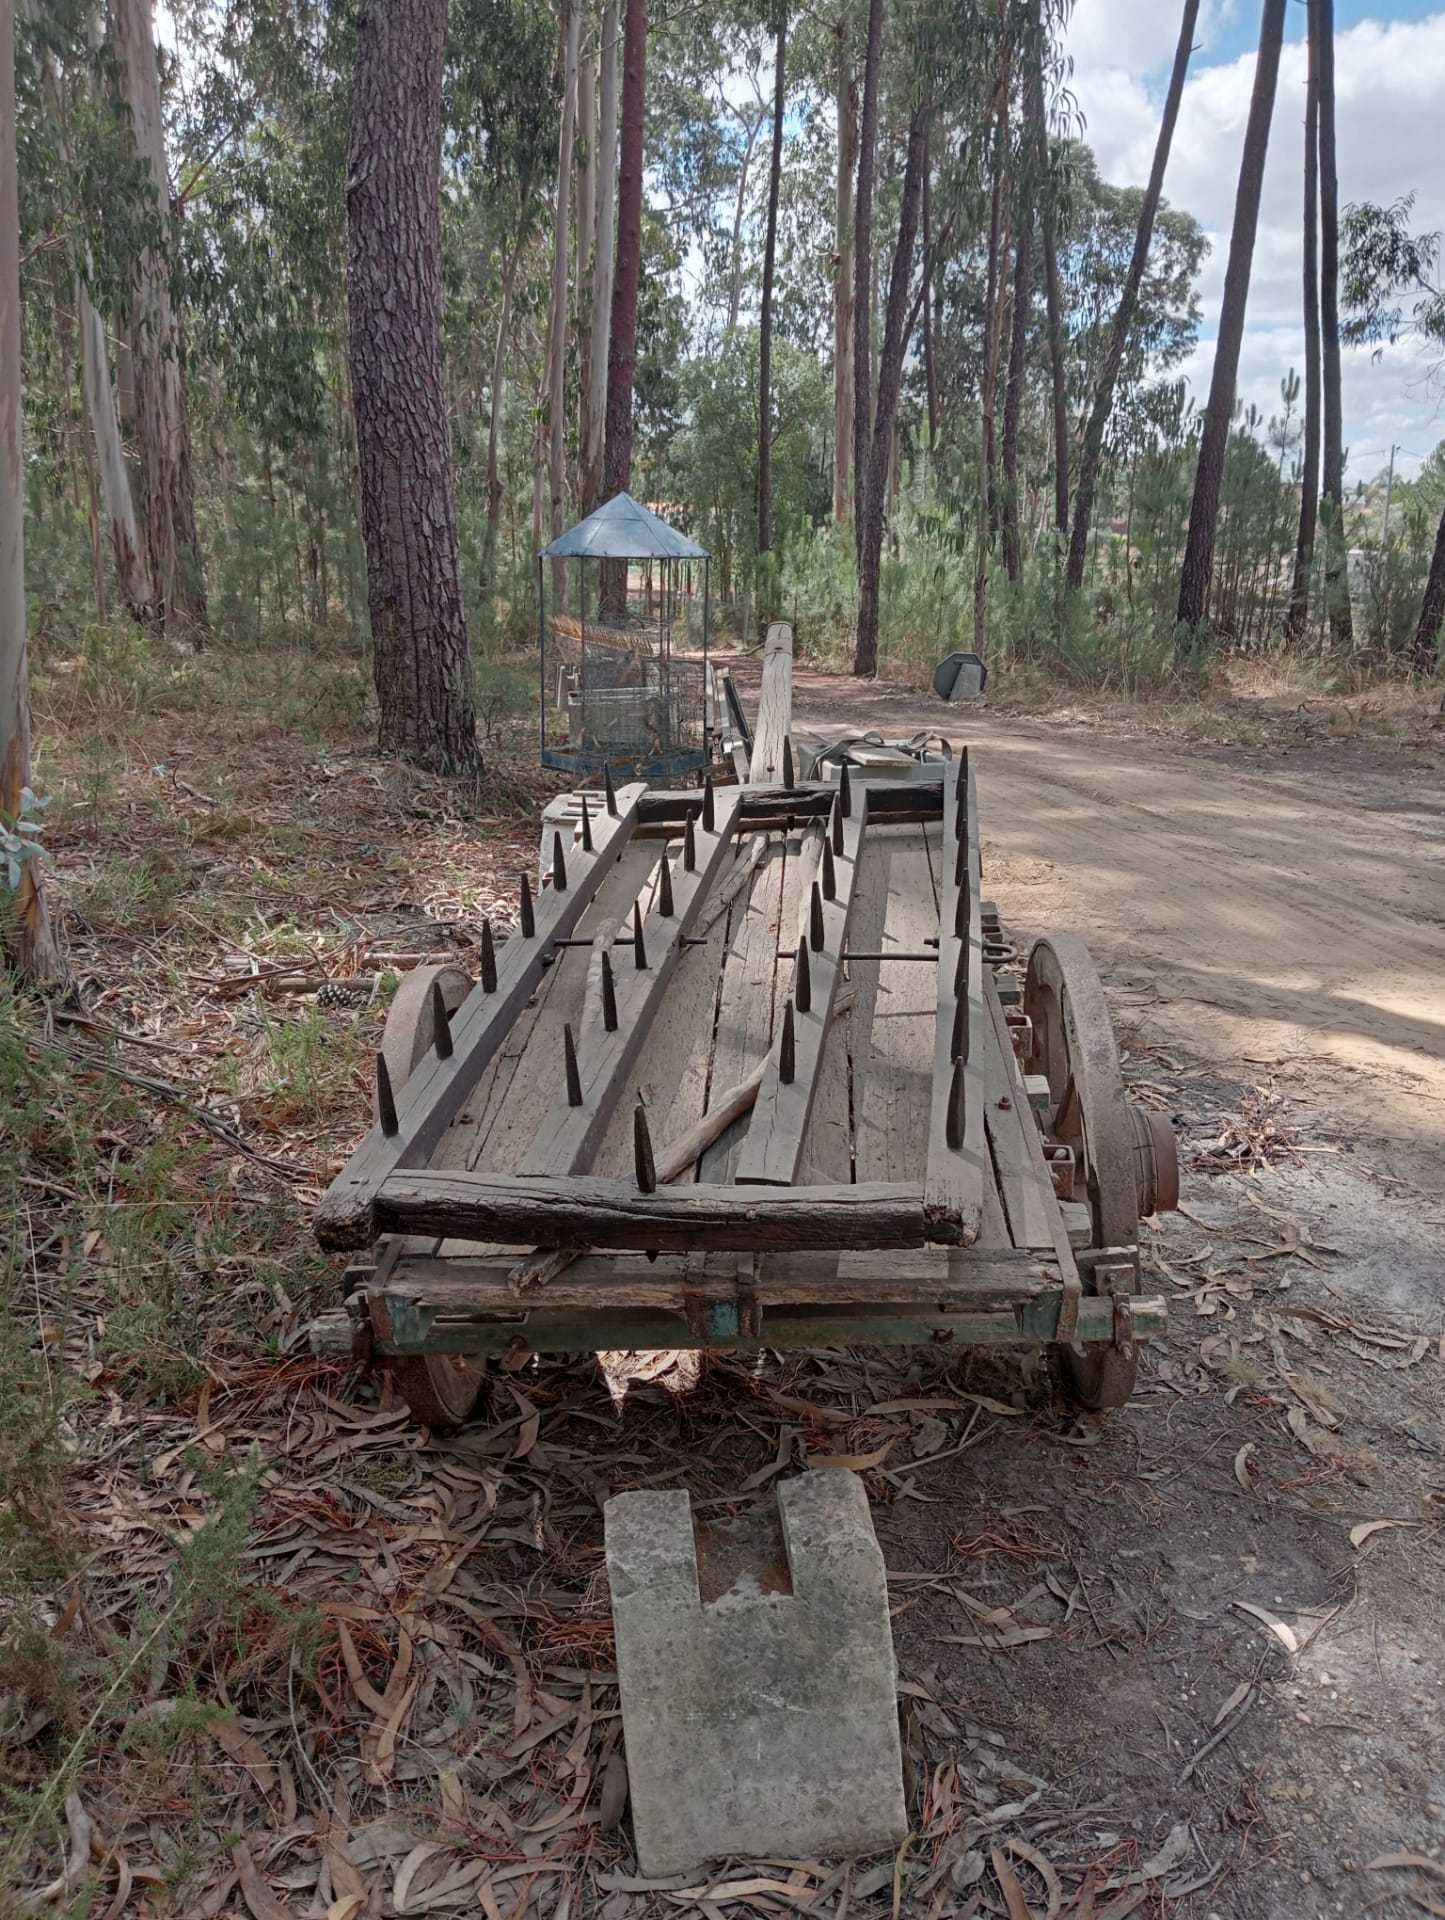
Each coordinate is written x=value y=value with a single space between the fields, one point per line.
x=759 y=1692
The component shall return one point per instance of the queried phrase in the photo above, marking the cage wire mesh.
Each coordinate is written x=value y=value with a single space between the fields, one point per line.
x=623 y=632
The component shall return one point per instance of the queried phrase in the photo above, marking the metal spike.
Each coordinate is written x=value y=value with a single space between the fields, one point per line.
x=639 y=946
x=960 y=862
x=830 y=877
x=787 y=762
x=689 y=847
x=609 y=790
x=815 y=919
x=962 y=787
x=664 y=890
x=962 y=915
x=959 y=1045
x=803 y=986
x=609 y=996
x=586 y=827
x=642 y=1151
x=527 y=917
x=441 y=1025
x=559 y=865
x=953 y=1125
x=787 y=1047
x=709 y=810
x=836 y=824
x=574 y=1078
x=385 y=1099
x=845 y=791
x=960 y=972
x=489 y=959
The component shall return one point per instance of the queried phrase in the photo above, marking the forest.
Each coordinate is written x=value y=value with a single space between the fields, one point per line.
x=326 y=307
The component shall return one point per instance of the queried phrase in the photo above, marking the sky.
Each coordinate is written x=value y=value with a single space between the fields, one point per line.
x=1390 y=99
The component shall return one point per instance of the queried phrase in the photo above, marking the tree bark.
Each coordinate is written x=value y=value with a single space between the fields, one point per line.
x=25 y=932
x=890 y=377
x=603 y=259
x=847 y=109
x=163 y=429
x=498 y=410
x=622 y=344
x=1432 y=607
x=132 y=571
x=557 y=331
x=765 y=325
x=1053 y=296
x=585 y=225
x=930 y=369
x=408 y=519
x=1309 y=500
x=1337 y=584
x=862 y=287
x=1098 y=422
x=1014 y=387
x=1204 y=508
x=740 y=202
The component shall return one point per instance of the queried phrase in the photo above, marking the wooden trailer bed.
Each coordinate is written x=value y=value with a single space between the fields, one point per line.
x=888 y=1181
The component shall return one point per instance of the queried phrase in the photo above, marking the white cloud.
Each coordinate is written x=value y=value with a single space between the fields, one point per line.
x=1390 y=82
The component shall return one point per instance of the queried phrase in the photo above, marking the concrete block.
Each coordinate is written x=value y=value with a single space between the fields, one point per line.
x=759 y=1692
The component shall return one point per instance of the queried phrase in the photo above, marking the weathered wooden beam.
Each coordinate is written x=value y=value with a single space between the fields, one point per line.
x=775 y=705
x=570 y=1132
x=958 y=1157
x=773 y=1147
x=585 y=1211
x=437 y=1088
x=919 y=798
x=405 y=1326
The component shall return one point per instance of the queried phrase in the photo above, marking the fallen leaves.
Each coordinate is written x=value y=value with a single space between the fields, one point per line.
x=1367 y=1530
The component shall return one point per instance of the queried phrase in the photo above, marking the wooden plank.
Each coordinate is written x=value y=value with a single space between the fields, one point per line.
x=775 y=705
x=568 y=1135
x=958 y=1157
x=412 y=1329
x=438 y=1088
x=463 y=1286
x=892 y=1054
x=743 y=1029
x=586 y=1211
x=772 y=1148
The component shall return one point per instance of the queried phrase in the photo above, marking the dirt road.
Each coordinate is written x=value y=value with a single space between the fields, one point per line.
x=1282 y=918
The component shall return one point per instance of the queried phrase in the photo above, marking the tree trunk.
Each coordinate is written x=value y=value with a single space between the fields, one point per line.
x=1204 y=509
x=622 y=344
x=1014 y=388
x=930 y=369
x=1128 y=300
x=25 y=932
x=498 y=410
x=862 y=286
x=740 y=201
x=847 y=109
x=765 y=326
x=418 y=626
x=557 y=331
x=1053 y=297
x=890 y=375
x=1432 y=607
x=163 y=430
x=1337 y=584
x=1309 y=500
x=603 y=259
x=132 y=572
x=585 y=222
x=993 y=293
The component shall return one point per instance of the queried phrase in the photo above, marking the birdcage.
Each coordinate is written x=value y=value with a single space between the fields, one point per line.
x=622 y=617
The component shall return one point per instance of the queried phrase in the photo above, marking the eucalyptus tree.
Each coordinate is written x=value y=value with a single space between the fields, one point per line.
x=1309 y=499
x=1194 y=578
x=418 y=626
x=622 y=334
x=765 y=322
x=25 y=932
x=1337 y=588
x=1103 y=399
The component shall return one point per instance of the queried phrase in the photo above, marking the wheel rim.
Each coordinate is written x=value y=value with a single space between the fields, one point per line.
x=441 y=1389
x=1074 y=1048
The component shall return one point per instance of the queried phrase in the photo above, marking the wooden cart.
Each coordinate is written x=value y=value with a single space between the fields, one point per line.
x=756 y=1067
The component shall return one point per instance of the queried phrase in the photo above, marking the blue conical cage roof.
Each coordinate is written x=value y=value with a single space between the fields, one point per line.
x=623 y=529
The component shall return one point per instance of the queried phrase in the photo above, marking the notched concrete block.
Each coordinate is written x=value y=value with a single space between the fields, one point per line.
x=759 y=1692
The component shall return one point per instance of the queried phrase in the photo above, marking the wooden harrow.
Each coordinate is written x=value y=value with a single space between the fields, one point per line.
x=756 y=1066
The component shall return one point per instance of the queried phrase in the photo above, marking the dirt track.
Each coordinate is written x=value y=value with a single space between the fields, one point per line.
x=1284 y=918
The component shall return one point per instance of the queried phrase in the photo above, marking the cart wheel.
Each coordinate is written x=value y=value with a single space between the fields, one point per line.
x=1074 y=1048
x=440 y=1389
